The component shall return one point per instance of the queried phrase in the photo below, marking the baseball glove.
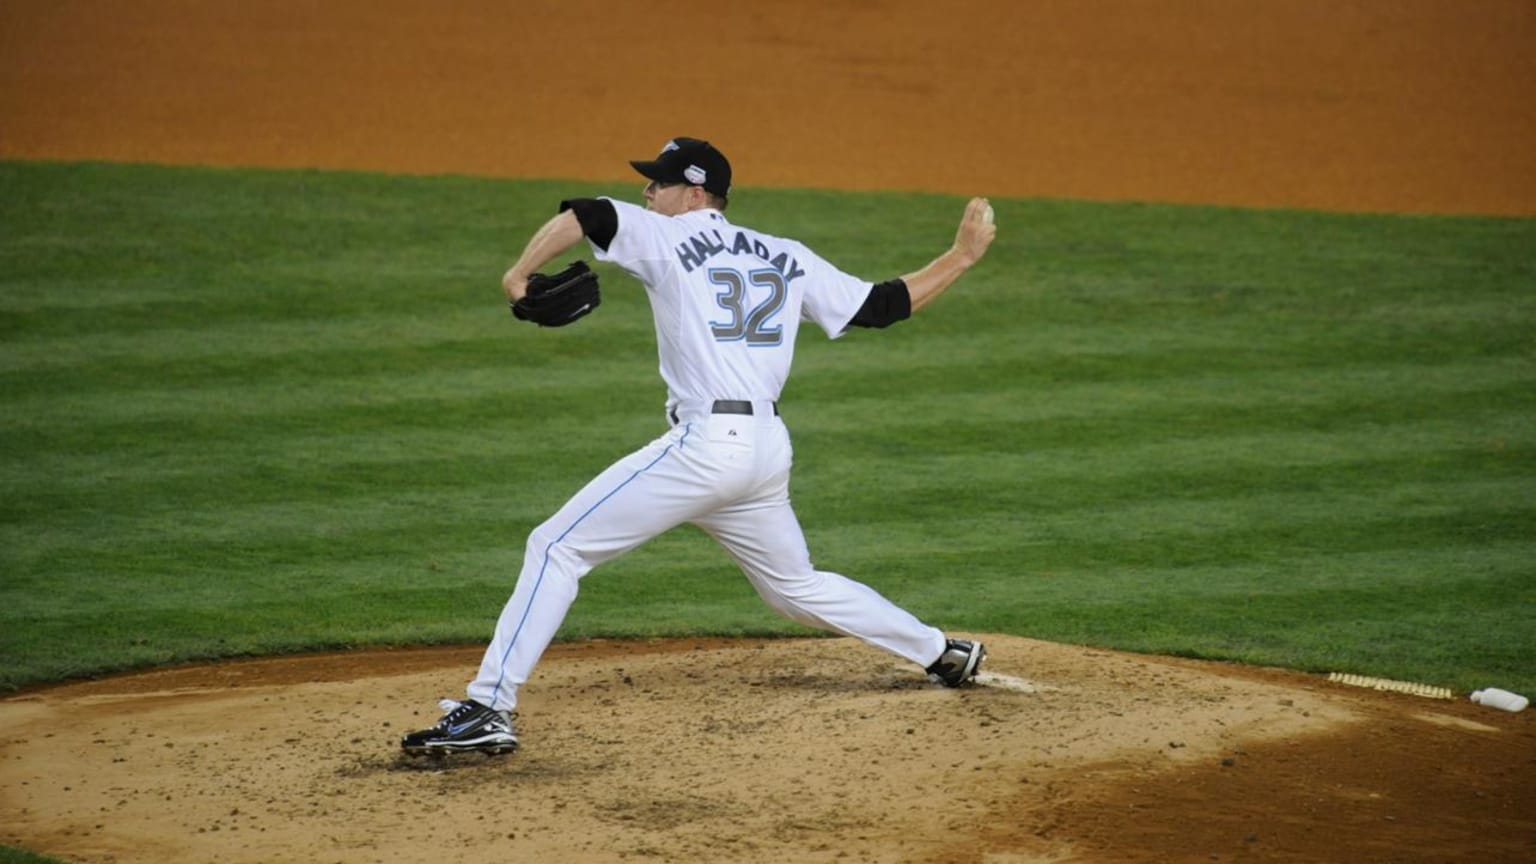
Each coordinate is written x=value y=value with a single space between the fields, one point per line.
x=558 y=300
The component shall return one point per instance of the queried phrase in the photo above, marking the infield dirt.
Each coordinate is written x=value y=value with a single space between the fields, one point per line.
x=765 y=751
x=793 y=750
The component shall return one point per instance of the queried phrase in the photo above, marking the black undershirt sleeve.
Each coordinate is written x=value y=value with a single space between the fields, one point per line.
x=599 y=221
x=887 y=303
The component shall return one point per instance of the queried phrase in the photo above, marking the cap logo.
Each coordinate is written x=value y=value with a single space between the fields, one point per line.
x=695 y=175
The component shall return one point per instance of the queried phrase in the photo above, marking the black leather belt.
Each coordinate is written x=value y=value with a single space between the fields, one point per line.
x=729 y=406
x=736 y=406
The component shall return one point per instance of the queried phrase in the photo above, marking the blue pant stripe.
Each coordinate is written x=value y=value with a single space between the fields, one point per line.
x=545 y=564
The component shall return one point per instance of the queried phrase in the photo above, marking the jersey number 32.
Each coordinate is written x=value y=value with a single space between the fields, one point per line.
x=749 y=321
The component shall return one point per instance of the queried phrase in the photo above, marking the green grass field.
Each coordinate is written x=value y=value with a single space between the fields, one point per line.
x=251 y=412
x=11 y=855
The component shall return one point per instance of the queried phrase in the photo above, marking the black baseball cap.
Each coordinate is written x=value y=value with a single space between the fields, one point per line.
x=691 y=161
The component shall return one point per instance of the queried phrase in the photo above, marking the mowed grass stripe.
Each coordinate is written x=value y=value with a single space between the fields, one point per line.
x=67 y=460
x=342 y=483
x=1235 y=526
x=469 y=318
x=466 y=309
x=309 y=382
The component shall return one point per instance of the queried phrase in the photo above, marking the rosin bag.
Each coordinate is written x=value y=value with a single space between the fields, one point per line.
x=1493 y=697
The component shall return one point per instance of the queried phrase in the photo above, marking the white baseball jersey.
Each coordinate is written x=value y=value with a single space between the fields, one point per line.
x=728 y=302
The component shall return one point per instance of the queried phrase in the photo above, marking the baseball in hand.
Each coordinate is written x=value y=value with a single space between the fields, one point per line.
x=986 y=215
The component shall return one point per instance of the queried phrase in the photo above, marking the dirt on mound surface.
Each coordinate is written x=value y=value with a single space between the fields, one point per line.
x=764 y=751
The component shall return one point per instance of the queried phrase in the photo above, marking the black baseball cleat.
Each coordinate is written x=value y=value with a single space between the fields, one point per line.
x=467 y=727
x=959 y=663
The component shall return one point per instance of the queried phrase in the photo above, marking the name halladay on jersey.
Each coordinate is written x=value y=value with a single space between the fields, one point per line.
x=710 y=242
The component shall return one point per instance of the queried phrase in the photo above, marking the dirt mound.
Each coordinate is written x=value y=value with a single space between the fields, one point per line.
x=766 y=751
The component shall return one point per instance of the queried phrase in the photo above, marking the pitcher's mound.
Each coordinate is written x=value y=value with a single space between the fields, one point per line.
x=763 y=751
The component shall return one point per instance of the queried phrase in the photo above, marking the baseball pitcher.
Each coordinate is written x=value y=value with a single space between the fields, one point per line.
x=728 y=303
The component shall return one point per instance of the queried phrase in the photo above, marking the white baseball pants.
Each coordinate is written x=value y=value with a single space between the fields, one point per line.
x=726 y=473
